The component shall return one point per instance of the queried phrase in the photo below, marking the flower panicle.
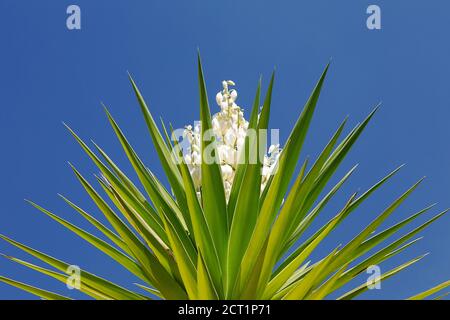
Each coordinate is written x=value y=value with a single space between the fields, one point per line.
x=229 y=127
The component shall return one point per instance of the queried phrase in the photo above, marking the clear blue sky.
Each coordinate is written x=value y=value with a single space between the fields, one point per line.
x=49 y=74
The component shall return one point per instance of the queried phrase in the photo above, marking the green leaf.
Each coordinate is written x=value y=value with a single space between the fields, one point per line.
x=153 y=268
x=94 y=281
x=150 y=220
x=247 y=204
x=205 y=287
x=322 y=291
x=123 y=178
x=352 y=207
x=64 y=278
x=151 y=290
x=186 y=265
x=107 y=232
x=378 y=238
x=385 y=252
x=293 y=210
x=157 y=193
x=242 y=165
x=276 y=234
x=202 y=233
x=299 y=291
x=164 y=154
x=44 y=294
x=106 y=248
x=348 y=252
x=362 y=288
x=429 y=292
x=327 y=170
x=213 y=193
x=281 y=277
x=286 y=166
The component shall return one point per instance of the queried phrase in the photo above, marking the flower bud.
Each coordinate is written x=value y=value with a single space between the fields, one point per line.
x=219 y=98
x=233 y=95
x=227 y=171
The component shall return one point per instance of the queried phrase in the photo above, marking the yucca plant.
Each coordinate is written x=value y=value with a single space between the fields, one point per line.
x=227 y=229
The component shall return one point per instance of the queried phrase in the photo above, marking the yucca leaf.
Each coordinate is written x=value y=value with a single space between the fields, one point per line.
x=177 y=217
x=202 y=233
x=308 y=220
x=242 y=165
x=322 y=291
x=275 y=234
x=186 y=265
x=162 y=252
x=205 y=287
x=442 y=296
x=135 y=219
x=164 y=154
x=91 y=280
x=123 y=178
x=213 y=193
x=267 y=187
x=286 y=165
x=101 y=227
x=166 y=136
x=304 y=286
x=364 y=287
x=348 y=251
x=297 y=196
x=384 y=253
x=151 y=290
x=248 y=289
x=378 y=238
x=304 y=224
x=281 y=277
x=247 y=203
x=352 y=207
x=429 y=292
x=376 y=259
x=326 y=172
x=158 y=245
x=64 y=278
x=44 y=294
x=106 y=248
x=157 y=194
x=145 y=213
x=296 y=276
x=153 y=268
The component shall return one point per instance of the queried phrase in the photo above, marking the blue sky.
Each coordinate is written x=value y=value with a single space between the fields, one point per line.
x=50 y=74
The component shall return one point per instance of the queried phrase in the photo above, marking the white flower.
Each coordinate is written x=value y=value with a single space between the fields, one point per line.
x=227 y=154
x=227 y=172
x=230 y=137
x=219 y=98
x=233 y=95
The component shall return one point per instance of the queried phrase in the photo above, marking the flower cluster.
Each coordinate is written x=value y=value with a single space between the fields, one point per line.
x=230 y=128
